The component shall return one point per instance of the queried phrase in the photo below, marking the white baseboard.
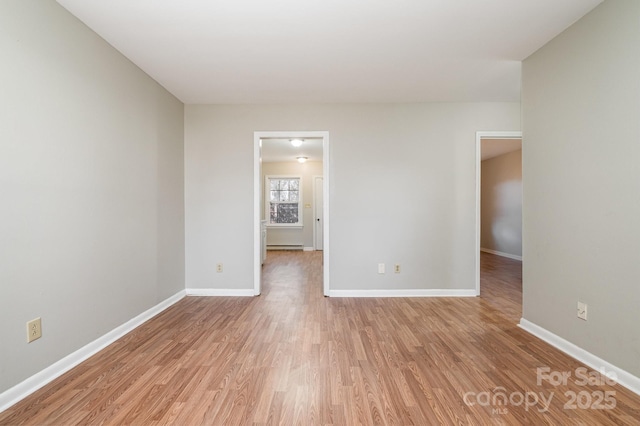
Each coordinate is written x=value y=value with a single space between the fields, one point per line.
x=623 y=377
x=499 y=253
x=309 y=249
x=404 y=293
x=285 y=247
x=220 y=292
x=25 y=388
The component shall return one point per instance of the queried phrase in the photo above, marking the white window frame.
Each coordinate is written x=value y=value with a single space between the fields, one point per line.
x=267 y=202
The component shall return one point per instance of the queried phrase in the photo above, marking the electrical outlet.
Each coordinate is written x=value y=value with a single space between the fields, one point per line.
x=396 y=268
x=582 y=310
x=219 y=267
x=381 y=268
x=34 y=330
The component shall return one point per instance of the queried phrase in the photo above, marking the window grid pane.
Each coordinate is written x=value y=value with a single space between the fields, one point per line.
x=284 y=195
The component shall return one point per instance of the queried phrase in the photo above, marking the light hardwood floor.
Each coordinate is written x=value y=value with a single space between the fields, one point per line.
x=292 y=356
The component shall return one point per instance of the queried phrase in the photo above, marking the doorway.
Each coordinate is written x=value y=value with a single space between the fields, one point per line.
x=502 y=139
x=318 y=216
x=318 y=211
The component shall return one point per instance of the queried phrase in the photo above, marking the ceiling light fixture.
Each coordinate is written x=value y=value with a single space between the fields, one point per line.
x=296 y=142
x=302 y=159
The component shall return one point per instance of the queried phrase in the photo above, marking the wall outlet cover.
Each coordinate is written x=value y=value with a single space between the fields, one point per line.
x=34 y=330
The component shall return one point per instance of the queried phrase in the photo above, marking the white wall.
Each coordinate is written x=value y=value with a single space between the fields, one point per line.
x=501 y=204
x=91 y=184
x=306 y=171
x=402 y=189
x=581 y=168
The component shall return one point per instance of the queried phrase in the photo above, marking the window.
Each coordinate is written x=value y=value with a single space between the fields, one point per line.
x=284 y=195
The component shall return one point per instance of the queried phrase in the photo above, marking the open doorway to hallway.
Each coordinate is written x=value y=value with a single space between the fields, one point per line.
x=501 y=197
x=291 y=197
x=499 y=220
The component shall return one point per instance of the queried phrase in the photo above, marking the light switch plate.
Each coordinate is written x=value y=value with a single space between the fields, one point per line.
x=582 y=311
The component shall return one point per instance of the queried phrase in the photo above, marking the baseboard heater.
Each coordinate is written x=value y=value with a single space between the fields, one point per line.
x=285 y=239
x=285 y=247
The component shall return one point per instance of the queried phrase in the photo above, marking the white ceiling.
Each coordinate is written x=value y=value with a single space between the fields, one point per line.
x=324 y=51
x=279 y=150
x=494 y=147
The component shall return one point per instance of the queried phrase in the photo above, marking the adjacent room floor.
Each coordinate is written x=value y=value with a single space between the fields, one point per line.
x=292 y=356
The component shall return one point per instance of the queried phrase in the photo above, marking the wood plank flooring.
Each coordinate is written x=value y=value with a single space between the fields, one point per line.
x=292 y=356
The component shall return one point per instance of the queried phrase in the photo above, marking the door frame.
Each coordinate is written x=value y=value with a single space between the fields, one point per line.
x=315 y=218
x=479 y=137
x=257 y=193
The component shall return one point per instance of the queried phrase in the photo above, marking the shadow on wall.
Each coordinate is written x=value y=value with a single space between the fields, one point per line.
x=506 y=226
x=501 y=204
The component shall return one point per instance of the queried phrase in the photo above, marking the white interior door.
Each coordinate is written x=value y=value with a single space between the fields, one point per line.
x=318 y=220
